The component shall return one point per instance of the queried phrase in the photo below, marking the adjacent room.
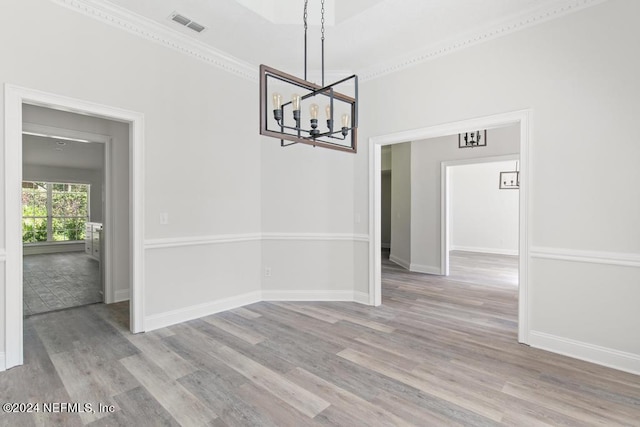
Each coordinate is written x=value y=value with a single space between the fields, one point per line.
x=62 y=223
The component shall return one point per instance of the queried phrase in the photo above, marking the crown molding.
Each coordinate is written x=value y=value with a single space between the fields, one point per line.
x=525 y=20
x=124 y=19
x=143 y=27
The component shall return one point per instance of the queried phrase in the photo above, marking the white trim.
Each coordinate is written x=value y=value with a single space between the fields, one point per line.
x=15 y=97
x=361 y=297
x=133 y=23
x=3 y=256
x=493 y=251
x=589 y=257
x=161 y=320
x=538 y=15
x=3 y=362
x=402 y=263
x=121 y=295
x=316 y=236
x=175 y=242
x=313 y=295
x=426 y=269
x=523 y=117
x=612 y=358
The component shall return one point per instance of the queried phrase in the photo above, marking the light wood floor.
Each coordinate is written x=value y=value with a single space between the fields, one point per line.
x=438 y=352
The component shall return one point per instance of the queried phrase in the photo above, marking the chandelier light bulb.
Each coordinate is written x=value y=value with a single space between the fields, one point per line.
x=277 y=101
x=295 y=102
x=327 y=110
x=313 y=110
x=345 y=120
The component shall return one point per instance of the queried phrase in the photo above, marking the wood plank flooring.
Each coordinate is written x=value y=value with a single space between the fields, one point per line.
x=437 y=352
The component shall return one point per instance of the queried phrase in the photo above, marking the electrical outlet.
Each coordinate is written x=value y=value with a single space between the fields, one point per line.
x=267 y=272
x=164 y=218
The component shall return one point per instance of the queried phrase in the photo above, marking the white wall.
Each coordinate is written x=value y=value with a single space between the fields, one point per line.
x=307 y=222
x=483 y=218
x=401 y=208
x=202 y=156
x=578 y=75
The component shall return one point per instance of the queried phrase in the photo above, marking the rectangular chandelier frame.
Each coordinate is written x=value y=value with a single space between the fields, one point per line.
x=295 y=134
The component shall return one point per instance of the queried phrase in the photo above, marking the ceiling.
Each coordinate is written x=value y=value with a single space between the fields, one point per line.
x=47 y=151
x=360 y=34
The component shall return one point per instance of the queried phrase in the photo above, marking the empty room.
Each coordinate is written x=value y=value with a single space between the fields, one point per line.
x=320 y=212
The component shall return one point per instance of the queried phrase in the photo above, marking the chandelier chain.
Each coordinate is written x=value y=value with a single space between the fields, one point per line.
x=322 y=19
x=305 y=14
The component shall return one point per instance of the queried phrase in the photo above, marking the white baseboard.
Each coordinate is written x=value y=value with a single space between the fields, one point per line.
x=616 y=359
x=494 y=251
x=428 y=269
x=173 y=317
x=361 y=298
x=399 y=261
x=3 y=362
x=322 y=295
x=121 y=295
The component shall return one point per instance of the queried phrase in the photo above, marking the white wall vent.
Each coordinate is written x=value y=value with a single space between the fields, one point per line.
x=183 y=20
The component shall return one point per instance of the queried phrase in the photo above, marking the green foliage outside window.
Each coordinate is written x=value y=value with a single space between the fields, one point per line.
x=54 y=211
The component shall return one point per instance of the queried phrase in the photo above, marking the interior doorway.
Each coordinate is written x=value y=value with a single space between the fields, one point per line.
x=16 y=99
x=479 y=214
x=521 y=118
x=64 y=204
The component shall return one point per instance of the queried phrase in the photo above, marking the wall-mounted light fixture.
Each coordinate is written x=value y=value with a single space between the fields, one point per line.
x=510 y=180
x=472 y=139
x=285 y=119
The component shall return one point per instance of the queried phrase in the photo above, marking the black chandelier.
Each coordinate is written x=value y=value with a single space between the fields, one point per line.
x=285 y=119
x=472 y=139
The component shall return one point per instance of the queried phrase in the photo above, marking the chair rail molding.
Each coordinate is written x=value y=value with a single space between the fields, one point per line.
x=589 y=257
x=215 y=239
x=175 y=242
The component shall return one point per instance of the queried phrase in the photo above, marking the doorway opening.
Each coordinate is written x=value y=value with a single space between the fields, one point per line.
x=65 y=200
x=17 y=102
x=521 y=118
x=480 y=220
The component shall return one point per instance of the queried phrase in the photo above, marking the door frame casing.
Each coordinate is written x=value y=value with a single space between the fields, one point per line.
x=15 y=97
x=521 y=117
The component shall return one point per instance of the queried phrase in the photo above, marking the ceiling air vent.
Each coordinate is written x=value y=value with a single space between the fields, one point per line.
x=183 y=20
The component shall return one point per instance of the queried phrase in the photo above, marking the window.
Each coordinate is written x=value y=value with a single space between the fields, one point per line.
x=54 y=212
